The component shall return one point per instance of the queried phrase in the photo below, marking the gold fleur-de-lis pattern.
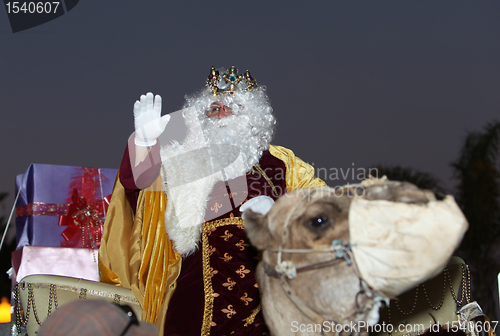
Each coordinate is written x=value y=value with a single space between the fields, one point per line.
x=246 y=299
x=229 y=284
x=241 y=245
x=231 y=194
x=209 y=232
x=231 y=297
x=211 y=250
x=226 y=257
x=229 y=311
x=230 y=272
x=215 y=208
x=229 y=260
x=242 y=272
x=227 y=235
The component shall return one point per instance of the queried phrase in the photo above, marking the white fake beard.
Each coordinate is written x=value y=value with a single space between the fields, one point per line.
x=235 y=130
x=187 y=202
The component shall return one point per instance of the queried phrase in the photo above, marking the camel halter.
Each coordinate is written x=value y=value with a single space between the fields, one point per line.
x=285 y=270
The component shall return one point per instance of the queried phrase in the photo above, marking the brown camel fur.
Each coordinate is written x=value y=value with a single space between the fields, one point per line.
x=335 y=293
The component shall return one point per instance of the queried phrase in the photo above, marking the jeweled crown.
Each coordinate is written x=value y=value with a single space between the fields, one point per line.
x=230 y=81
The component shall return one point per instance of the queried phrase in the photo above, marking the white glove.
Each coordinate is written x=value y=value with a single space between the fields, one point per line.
x=260 y=204
x=149 y=124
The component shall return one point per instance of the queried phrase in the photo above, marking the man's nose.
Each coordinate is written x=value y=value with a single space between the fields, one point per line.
x=223 y=112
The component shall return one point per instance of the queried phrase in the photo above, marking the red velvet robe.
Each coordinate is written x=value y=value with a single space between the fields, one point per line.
x=232 y=260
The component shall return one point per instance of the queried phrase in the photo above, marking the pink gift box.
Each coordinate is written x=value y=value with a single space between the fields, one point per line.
x=66 y=261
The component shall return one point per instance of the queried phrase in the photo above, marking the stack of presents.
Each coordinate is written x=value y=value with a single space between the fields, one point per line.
x=59 y=215
x=60 y=211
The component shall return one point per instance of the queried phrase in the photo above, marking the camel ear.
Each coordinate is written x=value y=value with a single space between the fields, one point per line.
x=257 y=229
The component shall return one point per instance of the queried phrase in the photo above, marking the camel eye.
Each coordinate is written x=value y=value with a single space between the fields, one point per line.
x=320 y=222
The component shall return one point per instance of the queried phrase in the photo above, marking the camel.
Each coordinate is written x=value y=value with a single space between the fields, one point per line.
x=330 y=257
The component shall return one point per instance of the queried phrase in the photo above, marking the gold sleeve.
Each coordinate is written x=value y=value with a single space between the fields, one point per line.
x=136 y=253
x=298 y=173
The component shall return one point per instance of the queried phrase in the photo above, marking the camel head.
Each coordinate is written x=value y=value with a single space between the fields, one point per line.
x=311 y=277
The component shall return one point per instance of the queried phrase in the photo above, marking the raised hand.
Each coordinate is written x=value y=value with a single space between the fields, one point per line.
x=149 y=124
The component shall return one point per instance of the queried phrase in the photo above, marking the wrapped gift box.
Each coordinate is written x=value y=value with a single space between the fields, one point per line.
x=62 y=206
x=65 y=261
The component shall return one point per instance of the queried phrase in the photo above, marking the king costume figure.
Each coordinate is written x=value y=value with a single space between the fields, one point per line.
x=174 y=232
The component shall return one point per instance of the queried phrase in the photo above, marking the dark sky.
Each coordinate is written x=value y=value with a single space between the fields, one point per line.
x=352 y=83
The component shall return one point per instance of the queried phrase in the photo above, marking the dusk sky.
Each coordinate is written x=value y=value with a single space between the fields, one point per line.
x=352 y=83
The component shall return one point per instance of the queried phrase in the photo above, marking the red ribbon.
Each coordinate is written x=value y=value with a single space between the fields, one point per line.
x=41 y=209
x=83 y=221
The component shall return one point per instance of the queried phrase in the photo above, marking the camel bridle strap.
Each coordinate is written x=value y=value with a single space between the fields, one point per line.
x=271 y=271
x=285 y=270
x=341 y=250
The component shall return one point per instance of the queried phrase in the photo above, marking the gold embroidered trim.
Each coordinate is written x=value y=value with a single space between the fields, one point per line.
x=207 y=273
x=267 y=179
x=250 y=319
x=211 y=226
x=88 y=292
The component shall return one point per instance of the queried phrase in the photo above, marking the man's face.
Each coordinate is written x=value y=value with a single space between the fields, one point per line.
x=219 y=110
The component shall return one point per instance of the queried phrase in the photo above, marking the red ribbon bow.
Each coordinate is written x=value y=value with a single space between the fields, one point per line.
x=83 y=221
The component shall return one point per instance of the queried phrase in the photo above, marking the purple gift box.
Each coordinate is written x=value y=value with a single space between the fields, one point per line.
x=46 y=193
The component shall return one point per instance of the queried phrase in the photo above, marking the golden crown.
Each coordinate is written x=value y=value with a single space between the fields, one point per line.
x=231 y=81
